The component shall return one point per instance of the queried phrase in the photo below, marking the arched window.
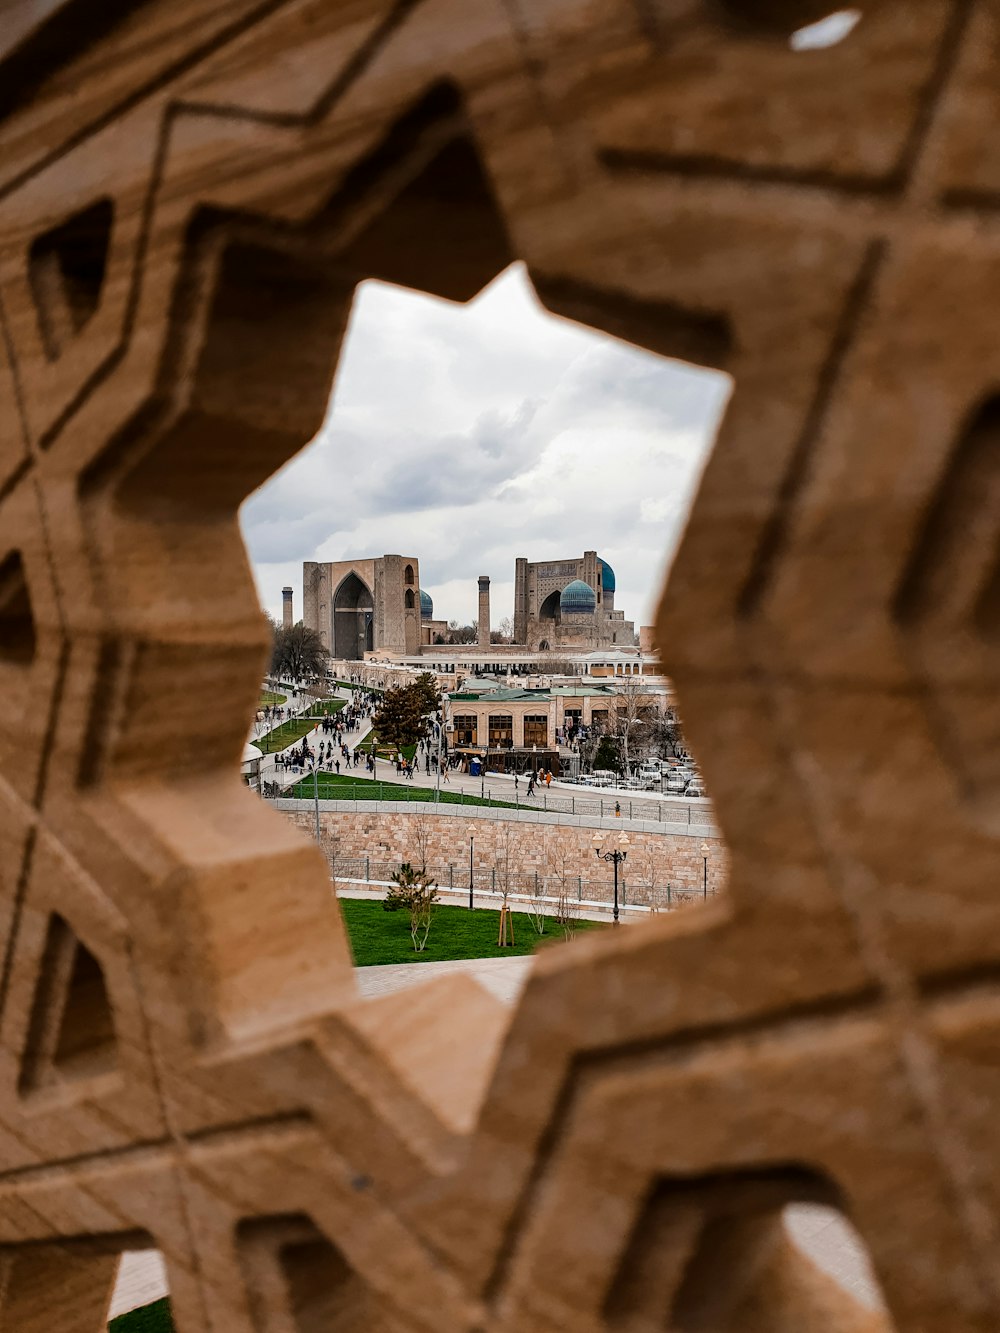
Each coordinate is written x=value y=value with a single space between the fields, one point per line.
x=408 y=577
x=409 y=595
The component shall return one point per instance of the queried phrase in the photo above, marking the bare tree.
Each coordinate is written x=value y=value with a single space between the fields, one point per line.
x=421 y=836
x=651 y=883
x=633 y=706
x=507 y=856
x=567 y=910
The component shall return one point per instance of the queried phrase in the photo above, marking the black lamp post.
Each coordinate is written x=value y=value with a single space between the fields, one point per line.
x=615 y=857
x=704 y=857
x=472 y=846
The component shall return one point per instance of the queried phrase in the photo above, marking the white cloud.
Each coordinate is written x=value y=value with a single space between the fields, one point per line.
x=468 y=435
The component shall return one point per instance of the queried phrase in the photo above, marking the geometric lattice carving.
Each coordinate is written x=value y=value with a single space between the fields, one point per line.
x=71 y=1033
x=733 y=1260
x=17 y=626
x=822 y=222
x=66 y=267
x=293 y=1271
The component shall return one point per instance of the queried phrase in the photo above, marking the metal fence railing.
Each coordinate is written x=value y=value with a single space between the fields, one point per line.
x=454 y=877
x=676 y=812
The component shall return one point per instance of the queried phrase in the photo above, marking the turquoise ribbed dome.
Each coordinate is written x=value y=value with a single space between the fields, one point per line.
x=578 y=597
x=607 y=576
x=426 y=606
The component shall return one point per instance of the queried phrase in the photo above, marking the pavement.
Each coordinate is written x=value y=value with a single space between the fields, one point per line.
x=819 y=1232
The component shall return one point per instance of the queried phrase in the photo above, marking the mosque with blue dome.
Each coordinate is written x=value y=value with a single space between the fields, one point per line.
x=568 y=605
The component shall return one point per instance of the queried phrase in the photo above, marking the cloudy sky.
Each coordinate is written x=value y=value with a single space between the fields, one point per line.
x=468 y=435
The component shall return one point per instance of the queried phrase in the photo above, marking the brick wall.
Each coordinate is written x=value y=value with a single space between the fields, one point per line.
x=550 y=850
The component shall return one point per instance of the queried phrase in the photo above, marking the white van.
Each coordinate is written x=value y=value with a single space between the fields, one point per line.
x=605 y=777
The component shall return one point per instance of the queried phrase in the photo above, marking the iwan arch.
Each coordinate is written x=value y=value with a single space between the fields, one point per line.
x=359 y=606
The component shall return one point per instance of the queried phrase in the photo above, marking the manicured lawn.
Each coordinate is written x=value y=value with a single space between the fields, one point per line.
x=285 y=734
x=385 y=751
x=268 y=698
x=327 y=706
x=378 y=936
x=350 y=685
x=344 y=787
x=153 y=1318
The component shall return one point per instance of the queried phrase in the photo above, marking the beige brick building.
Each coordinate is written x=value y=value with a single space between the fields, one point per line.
x=359 y=606
x=568 y=604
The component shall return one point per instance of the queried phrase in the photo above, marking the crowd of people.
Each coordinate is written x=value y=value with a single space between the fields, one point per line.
x=332 y=752
x=335 y=747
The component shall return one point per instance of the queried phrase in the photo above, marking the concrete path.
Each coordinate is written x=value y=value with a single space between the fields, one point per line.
x=505 y=977
x=269 y=770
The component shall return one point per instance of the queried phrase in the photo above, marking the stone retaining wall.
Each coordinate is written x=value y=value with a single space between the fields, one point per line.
x=549 y=850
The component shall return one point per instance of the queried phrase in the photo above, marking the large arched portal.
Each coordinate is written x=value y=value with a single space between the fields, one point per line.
x=352 y=619
x=549 y=609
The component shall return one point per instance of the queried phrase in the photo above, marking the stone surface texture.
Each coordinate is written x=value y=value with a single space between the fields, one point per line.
x=515 y=853
x=190 y=191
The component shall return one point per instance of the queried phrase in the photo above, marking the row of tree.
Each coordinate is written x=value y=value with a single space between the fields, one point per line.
x=635 y=729
x=470 y=633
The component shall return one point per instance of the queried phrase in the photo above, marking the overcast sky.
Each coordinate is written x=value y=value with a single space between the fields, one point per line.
x=468 y=435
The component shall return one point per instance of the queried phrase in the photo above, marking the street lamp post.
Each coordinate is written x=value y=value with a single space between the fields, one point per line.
x=472 y=846
x=315 y=770
x=615 y=857
x=704 y=857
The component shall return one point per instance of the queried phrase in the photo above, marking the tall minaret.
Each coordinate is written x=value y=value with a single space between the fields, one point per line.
x=286 y=607
x=484 y=610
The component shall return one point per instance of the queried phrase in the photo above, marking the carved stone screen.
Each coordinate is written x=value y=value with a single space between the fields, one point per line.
x=190 y=191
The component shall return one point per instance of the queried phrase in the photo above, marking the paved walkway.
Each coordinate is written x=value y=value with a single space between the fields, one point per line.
x=505 y=977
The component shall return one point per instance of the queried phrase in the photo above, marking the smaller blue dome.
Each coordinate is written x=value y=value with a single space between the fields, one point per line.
x=578 y=596
x=426 y=606
x=607 y=576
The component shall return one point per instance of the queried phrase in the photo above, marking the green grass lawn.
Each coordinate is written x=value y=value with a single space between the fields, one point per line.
x=153 y=1318
x=344 y=787
x=385 y=751
x=287 y=733
x=350 y=685
x=327 y=706
x=378 y=936
x=268 y=698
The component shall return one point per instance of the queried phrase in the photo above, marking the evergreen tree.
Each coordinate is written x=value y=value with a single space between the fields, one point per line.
x=429 y=694
x=399 y=719
x=607 y=755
